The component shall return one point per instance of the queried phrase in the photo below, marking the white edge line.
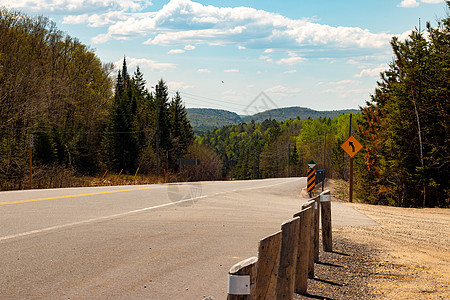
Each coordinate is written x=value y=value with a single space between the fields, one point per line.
x=95 y=219
x=8 y=237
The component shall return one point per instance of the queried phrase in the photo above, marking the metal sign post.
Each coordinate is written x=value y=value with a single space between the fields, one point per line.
x=351 y=146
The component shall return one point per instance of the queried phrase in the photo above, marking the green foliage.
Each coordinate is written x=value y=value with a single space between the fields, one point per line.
x=273 y=148
x=55 y=88
x=180 y=130
x=205 y=119
x=406 y=125
x=145 y=126
x=51 y=86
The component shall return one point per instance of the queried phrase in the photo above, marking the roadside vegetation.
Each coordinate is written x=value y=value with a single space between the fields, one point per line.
x=84 y=119
x=93 y=126
x=406 y=125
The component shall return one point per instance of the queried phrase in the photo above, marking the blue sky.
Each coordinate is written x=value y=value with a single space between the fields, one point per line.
x=324 y=55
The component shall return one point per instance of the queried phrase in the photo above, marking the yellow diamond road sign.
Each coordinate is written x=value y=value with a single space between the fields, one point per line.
x=351 y=146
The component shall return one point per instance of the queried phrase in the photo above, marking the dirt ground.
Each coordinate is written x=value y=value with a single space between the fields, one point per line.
x=406 y=257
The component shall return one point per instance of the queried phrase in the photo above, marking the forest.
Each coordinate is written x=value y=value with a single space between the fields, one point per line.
x=405 y=128
x=281 y=149
x=83 y=119
x=89 y=121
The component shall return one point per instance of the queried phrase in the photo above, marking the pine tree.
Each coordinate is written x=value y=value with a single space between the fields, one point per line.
x=122 y=145
x=163 y=141
x=181 y=132
x=406 y=124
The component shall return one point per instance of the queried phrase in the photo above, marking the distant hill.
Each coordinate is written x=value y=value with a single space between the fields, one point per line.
x=206 y=119
x=286 y=113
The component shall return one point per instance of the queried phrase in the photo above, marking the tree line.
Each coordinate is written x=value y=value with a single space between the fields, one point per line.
x=405 y=128
x=281 y=149
x=83 y=120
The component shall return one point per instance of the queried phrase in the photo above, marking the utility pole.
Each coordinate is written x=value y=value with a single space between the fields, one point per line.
x=289 y=160
x=231 y=164
x=157 y=132
x=350 y=197
x=324 y=155
x=31 y=158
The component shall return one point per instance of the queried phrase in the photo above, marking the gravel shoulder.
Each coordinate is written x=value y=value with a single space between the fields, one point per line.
x=406 y=257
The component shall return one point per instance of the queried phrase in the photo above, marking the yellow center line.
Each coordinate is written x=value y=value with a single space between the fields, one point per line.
x=79 y=195
x=99 y=193
x=109 y=192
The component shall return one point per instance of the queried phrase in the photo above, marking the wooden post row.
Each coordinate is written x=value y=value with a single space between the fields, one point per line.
x=286 y=258
x=325 y=203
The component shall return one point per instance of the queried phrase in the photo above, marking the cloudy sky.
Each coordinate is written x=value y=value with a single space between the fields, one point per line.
x=324 y=55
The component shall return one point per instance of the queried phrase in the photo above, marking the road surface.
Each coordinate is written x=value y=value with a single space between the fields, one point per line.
x=141 y=242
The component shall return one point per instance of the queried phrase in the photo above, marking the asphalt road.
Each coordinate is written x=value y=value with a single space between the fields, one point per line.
x=141 y=242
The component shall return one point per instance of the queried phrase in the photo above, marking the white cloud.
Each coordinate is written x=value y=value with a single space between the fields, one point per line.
x=203 y=71
x=144 y=62
x=415 y=3
x=345 y=89
x=189 y=47
x=185 y=22
x=290 y=72
x=432 y=1
x=175 y=51
x=76 y=19
x=283 y=90
x=231 y=71
x=372 y=72
x=241 y=47
x=178 y=85
x=409 y=3
x=329 y=60
x=266 y=58
x=340 y=84
x=291 y=60
x=104 y=19
x=268 y=51
x=230 y=92
x=76 y=6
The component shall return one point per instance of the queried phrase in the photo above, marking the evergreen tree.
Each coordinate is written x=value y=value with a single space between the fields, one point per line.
x=405 y=129
x=123 y=147
x=181 y=132
x=163 y=142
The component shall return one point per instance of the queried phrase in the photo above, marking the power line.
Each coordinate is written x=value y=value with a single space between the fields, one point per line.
x=75 y=132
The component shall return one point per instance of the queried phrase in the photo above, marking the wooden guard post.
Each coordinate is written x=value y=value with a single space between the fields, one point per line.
x=316 y=227
x=267 y=266
x=303 y=251
x=288 y=259
x=240 y=272
x=325 y=203
x=310 y=205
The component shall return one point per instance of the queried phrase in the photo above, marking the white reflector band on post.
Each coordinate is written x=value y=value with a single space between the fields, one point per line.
x=325 y=198
x=239 y=284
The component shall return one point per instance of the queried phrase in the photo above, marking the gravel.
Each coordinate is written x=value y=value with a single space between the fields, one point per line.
x=406 y=257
